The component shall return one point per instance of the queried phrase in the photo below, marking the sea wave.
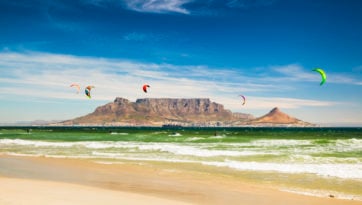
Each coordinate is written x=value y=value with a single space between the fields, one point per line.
x=135 y=158
x=272 y=143
x=305 y=158
x=278 y=143
x=36 y=143
x=119 y=133
x=199 y=150
x=189 y=150
x=346 y=171
x=194 y=139
x=322 y=159
x=175 y=135
x=217 y=137
x=347 y=145
x=49 y=155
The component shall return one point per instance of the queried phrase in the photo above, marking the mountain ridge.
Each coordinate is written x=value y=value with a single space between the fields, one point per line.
x=176 y=111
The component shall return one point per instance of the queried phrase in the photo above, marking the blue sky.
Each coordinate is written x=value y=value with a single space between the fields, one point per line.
x=263 y=49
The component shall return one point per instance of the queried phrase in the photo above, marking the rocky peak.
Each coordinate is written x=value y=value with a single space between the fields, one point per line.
x=121 y=101
x=275 y=110
x=277 y=116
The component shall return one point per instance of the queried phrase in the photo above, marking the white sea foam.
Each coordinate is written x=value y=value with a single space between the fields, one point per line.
x=303 y=149
x=273 y=143
x=192 y=150
x=278 y=143
x=287 y=159
x=194 y=139
x=198 y=150
x=48 y=156
x=175 y=135
x=346 y=171
x=291 y=145
x=87 y=144
x=21 y=154
x=119 y=133
x=217 y=137
x=108 y=155
x=326 y=160
x=99 y=145
x=35 y=143
x=187 y=149
x=346 y=145
x=158 y=159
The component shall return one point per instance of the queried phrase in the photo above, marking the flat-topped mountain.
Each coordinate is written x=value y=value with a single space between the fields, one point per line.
x=159 y=111
x=175 y=111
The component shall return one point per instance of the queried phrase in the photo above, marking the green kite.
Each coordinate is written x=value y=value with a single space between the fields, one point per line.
x=323 y=74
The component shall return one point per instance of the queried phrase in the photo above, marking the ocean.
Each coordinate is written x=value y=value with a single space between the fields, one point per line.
x=312 y=161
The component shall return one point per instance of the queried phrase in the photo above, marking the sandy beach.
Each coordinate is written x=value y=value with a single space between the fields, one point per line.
x=25 y=191
x=40 y=180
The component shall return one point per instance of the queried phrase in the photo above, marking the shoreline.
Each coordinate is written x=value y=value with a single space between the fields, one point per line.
x=162 y=182
x=166 y=126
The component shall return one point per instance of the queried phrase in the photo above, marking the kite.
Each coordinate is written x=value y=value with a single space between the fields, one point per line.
x=87 y=90
x=76 y=86
x=323 y=74
x=145 y=86
x=244 y=100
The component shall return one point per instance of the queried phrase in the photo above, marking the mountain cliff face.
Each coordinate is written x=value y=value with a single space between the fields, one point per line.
x=159 y=111
x=185 y=112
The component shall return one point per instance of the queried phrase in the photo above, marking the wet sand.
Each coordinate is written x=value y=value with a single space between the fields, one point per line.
x=40 y=180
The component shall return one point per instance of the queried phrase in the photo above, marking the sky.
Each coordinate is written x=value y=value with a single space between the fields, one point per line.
x=218 y=49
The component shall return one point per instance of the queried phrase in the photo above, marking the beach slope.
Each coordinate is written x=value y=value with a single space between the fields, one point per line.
x=40 y=180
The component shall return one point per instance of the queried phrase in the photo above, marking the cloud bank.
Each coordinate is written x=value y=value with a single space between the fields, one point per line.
x=158 y=6
x=48 y=76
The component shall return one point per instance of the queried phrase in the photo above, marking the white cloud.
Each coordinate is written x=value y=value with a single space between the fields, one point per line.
x=202 y=7
x=30 y=77
x=40 y=73
x=267 y=103
x=158 y=6
x=342 y=79
x=48 y=76
x=262 y=102
x=295 y=72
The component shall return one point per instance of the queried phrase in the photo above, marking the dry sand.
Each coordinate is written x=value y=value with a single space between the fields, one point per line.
x=25 y=191
x=39 y=180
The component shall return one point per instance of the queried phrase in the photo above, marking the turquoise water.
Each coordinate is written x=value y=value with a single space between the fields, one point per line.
x=305 y=160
